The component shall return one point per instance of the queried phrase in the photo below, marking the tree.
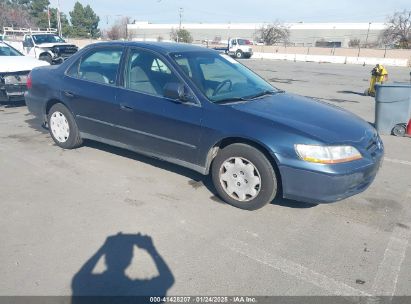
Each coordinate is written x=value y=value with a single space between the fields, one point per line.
x=274 y=33
x=114 y=32
x=354 y=42
x=38 y=10
x=119 y=29
x=398 y=30
x=13 y=15
x=31 y=13
x=84 y=21
x=181 y=35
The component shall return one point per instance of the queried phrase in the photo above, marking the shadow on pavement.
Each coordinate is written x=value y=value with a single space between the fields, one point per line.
x=338 y=100
x=113 y=285
x=292 y=204
x=351 y=92
x=197 y=180
x=36 y=124
x=14 y=104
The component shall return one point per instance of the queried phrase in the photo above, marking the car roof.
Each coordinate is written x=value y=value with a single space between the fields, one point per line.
x=163 y=47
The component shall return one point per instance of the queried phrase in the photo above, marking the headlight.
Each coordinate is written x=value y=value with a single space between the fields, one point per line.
x=327 y=154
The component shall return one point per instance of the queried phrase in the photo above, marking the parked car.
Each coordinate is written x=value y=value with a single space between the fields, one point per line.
x=44 y=45
x=14 y=69
x=205 y=111
x=238 y=48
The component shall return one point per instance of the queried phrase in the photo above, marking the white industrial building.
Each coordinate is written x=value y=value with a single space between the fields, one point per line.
x=301 y=34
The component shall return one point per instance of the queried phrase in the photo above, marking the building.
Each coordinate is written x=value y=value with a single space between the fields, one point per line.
x=301 y=34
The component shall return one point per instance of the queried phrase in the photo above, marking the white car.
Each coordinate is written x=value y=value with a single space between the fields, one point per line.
x=14 y=69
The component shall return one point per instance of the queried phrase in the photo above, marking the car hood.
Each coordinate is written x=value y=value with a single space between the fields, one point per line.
x=19 y=63
x=321 y=121
x=50 y=45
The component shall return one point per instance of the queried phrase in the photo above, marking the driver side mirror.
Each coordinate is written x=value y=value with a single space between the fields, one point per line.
x=176 y=91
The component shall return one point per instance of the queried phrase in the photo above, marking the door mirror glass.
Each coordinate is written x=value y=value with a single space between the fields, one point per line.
x=175 y=91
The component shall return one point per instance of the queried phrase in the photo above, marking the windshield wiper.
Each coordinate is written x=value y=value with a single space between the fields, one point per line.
x=231 y=99
x=264 y=93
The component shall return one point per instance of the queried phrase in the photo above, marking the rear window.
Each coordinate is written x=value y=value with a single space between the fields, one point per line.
x=99 y=66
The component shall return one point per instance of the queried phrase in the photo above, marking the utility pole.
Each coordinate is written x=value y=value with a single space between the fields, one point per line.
x=48 y=16
x=368 y=31
x=58 y=18
x=180 y=11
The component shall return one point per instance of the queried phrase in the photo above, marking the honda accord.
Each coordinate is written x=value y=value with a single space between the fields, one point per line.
x=203 y=110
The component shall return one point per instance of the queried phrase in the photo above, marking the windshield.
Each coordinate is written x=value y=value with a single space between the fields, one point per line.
x=6 y=50
x=244 y=42
x=47 y=38
x=221 y=78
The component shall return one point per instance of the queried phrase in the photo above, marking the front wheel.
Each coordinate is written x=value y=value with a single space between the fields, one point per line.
x=47 y=58
x=239 y=54
x=63 y=128
x=244 y=177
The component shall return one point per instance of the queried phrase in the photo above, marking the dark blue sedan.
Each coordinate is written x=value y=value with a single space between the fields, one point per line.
x=205 y=111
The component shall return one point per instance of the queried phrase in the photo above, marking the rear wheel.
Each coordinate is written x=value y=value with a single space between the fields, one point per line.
x=244 y=177
x=63 y=128
x=399 y=130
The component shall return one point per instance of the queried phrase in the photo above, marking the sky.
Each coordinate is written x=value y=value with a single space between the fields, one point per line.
x=211 y=11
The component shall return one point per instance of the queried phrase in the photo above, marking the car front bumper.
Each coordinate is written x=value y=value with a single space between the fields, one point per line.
x=319 y=184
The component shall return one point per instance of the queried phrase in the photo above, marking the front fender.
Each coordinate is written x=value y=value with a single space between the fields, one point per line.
x=42 y=51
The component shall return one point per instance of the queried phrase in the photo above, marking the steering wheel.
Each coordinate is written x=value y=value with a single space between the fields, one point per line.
x=221 y=85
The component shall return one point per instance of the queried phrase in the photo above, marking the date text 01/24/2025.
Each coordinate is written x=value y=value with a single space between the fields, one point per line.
x=203 y=299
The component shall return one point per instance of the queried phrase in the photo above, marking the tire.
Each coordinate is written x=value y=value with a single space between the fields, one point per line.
x=399 y=130
x=241 y=155
x=46 y=57
x=68 y=136
x=239 y=54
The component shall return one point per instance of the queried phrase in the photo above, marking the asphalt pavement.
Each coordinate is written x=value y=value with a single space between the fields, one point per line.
x=161 y=226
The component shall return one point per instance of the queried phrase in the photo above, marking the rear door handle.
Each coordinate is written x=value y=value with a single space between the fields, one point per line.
x=68 y=94
x=126 y=107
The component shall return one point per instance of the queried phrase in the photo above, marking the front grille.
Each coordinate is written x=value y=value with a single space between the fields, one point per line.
x=374 y=144
x=66 y=51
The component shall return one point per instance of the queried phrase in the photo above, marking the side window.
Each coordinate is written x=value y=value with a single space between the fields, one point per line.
x=159 y=66
x=28 y=42
x=146 y=73
x=185 y=66
x=73 y=70
x=100 y=66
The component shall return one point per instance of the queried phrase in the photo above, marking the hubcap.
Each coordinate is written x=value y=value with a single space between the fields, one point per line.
x=59 y=126
x=240 y=179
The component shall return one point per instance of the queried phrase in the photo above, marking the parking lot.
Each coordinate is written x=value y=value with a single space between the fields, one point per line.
x=59 y=207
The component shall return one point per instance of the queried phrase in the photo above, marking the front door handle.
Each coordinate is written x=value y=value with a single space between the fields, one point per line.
x=125 y=107
x=68 y=94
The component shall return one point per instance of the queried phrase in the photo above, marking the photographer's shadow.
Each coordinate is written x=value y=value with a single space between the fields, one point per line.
x=118 y=253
